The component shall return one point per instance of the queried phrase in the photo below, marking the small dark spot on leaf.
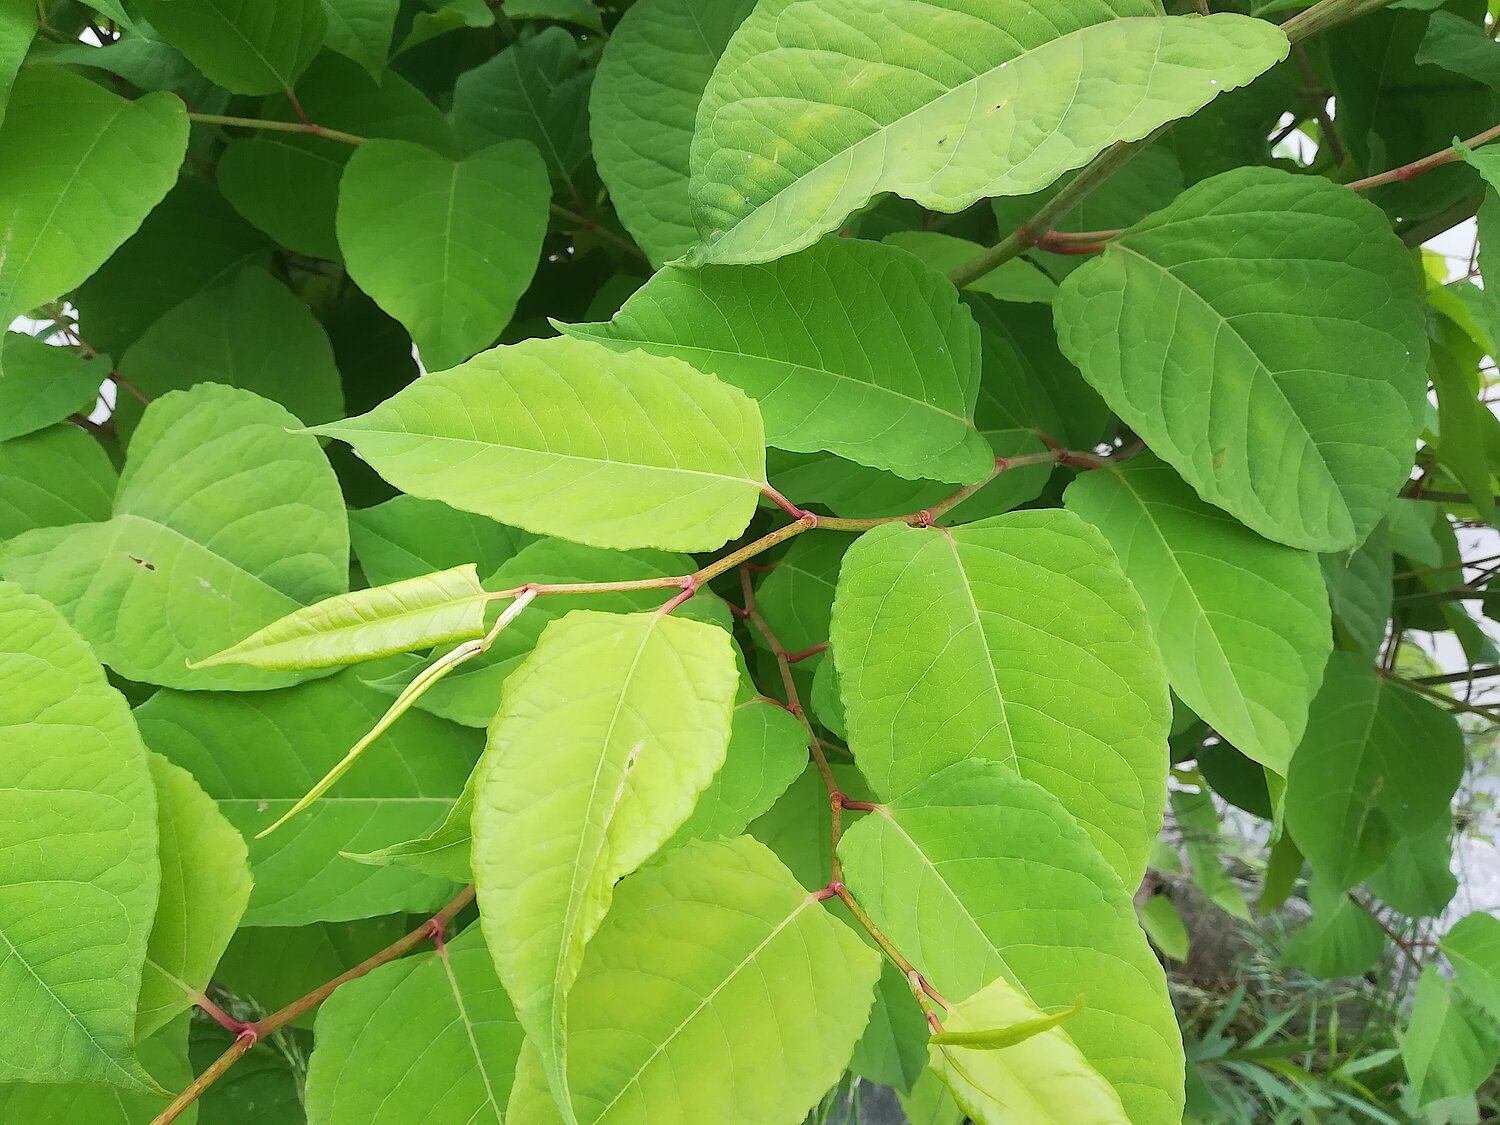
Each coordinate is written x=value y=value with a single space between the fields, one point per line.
x=140 y=562
x=1219 y=458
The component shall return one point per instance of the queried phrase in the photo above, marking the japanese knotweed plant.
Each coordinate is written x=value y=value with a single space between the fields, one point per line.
x=863 y=451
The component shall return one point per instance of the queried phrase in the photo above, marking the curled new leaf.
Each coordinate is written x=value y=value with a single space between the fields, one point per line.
x=996 y=1038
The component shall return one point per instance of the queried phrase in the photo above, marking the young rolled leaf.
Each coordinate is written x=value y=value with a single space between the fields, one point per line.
x=1015 y=640
x=78 y=857
x=817 y=106
x=605 y=738
x=1007 y=1063
x=750 y=1010
x=1264 y=335
x=568 y=438
x=446 y=247
x=1242 y=622
x=1378 y=762
x=979 y=874
x=405 y=616
x=851 y=347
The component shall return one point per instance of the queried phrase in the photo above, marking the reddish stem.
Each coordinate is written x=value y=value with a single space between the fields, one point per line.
x=811 y=651
x=1426 y=164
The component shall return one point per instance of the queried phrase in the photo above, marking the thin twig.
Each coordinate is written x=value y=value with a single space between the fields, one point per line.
x=1416 y=168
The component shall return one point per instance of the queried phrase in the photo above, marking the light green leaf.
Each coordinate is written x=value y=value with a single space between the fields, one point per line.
x=1472 y=946
x=430 y=1037
x=407 y=538
x=1004 y=1033
x=361 y=30
x=605 y=738
x=17 y=29
x=796 y=598
x=564 y=437
x=819 y=105
x=651 y=78
x=1042 y=1079
x=256 y=754
x=1242 y=622
x=1356 y=784
x=415 y=613
x=78 y=857
x=223 y=522
x=581 y=12
x=1360 y=592
x=247 y=48
x=851 y=346
x=1264 y=335
x=754 y=1001
x=56 y=476
x=73 y=149
x=979 y=874
x=1163 y=925
x=1016 y=280
x=41 y=384
x=165 y=1058
x=446 y=247
x=205 y=884
x=1449 y=1050
x=1417 y=877
x=251 y=332
x=931 y=1103
x=536 y=90
x=1015 y=640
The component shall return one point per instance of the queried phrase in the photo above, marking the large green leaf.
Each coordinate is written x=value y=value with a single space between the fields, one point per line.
x=1417 y=877
x=74 y=151
x=253 y=48
x=223 y=522
x=651 y=78
x=1264 y=335
x=979 y=874
x=78 y=857
x=752 y=1005
x=852 y=347
x=205 y=884
x=57 y=476
x=415 y=613
x=361 y=31
x=1242 y=623
x=1016 y=640
x=446 y=247
x=565 y=437
x=258 y=174
x=407 y=538
x=1377 y=763
x=41 y=384
x=166 y=1060
x=1448 y=1048
x=606 y=736
x=1044 y=1079
x=251 y=332
x=430 y=1037
x=819 y=105
x=1472 y=946
x=17 y=28
x=256 y=754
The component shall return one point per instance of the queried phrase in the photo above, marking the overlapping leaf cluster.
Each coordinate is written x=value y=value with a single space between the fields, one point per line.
x=808 y=609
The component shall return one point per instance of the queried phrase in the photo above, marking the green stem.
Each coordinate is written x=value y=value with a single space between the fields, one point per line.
x=1328 y=14
x=278 y=127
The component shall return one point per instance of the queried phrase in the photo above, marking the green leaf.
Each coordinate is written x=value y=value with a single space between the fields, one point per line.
x=1016 y=280
x=1340 y=940
x=1356 y=786
x=651 y=78
x=1462 y=47
x=361 y=31
x=979 y=874
x=1014 y=640
x=931 y=1103
x=415 y=613
x=258 y=174
x=809 y=115
x=1297 y=416
x=56 y=476
x=407 y=538
x=1417 y=877
x=73 y=149
x=428 y=1037
x=796 y=598
x=1163 y=925
x=1041 y=1078
x=1461 y=416
x=581 y=12
x=1472 y=946
x=535 y=90
x=1360 y=592
x=223 y=522
x=893 y=1050
x=166 y=1061
x=1242 y=623
x=17 y=28
x=851 y=346
x=754 y=1001
x=256 y=754
x=446 y=247
x=579 y=788
x=251 y=332
x=78 y=857
x=564 y=437
x=205 y=884
x=247 y=48
x=1449 y=1050
x=41 y=384
x=1003 y=1033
